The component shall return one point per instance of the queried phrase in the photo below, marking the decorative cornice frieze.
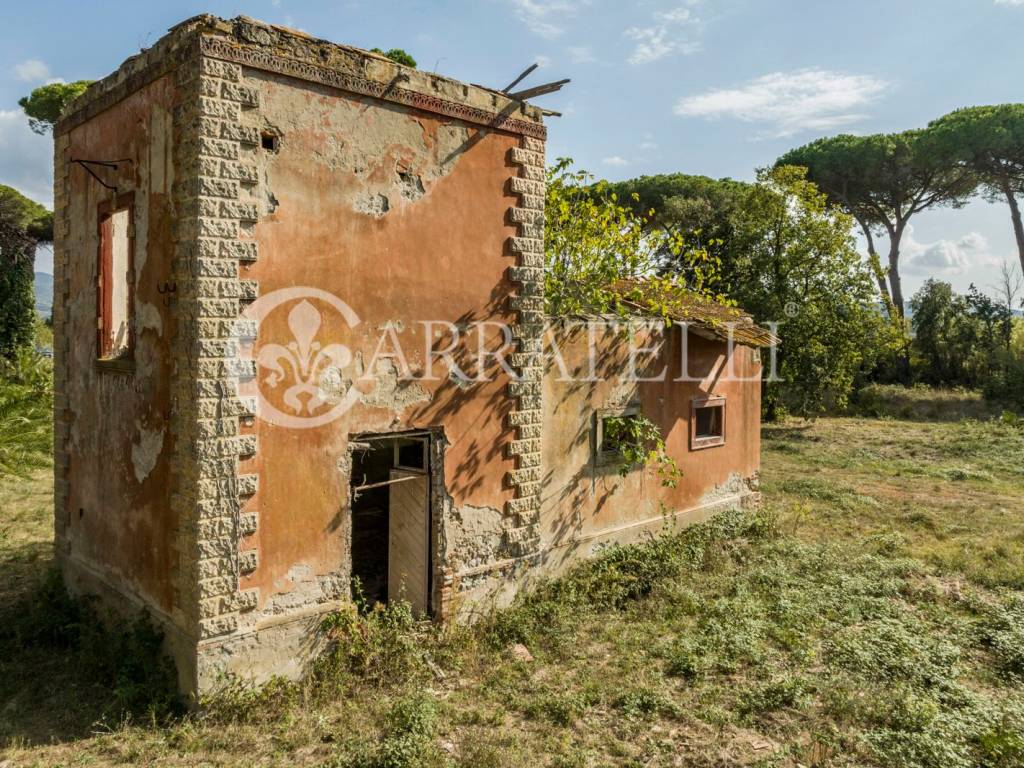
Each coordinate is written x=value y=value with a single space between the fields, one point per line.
x=229 y=50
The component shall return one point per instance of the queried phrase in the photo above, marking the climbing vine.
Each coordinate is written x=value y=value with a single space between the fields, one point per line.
x=639 y=442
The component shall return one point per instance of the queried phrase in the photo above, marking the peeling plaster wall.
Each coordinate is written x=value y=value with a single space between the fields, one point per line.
x=435 y=250
x=112 y=442
x=586 y=506
x=585 y=500
x=263 y=159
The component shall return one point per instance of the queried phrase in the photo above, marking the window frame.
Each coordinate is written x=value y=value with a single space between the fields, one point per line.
x=603 y=458
x=104 y=284
x=708 y=441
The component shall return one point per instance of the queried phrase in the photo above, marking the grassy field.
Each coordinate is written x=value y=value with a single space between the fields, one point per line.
x=871 y=614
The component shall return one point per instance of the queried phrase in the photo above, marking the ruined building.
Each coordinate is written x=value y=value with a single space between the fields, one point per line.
x=266 y=247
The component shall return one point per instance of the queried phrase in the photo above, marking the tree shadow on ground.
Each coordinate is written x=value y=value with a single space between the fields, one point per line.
x=65 y=673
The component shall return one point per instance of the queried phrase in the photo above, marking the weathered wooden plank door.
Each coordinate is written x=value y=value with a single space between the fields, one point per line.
x=409 y=539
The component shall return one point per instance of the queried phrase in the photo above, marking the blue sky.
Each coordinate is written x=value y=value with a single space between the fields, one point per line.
x=717 y=87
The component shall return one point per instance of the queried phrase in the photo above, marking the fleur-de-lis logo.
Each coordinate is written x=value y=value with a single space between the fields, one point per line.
x=298 y=384
x=306 y=360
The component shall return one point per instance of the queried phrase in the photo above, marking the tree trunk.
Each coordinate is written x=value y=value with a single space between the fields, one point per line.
x=876 y=267
x=896 y=287
x=1018 y=227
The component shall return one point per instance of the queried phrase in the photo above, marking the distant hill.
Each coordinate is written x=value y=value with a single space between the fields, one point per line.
x=44 y=293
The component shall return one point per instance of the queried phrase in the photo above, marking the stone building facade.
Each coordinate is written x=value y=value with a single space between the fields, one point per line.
x=269 y=250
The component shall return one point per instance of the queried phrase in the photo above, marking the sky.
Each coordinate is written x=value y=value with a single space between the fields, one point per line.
x=714 y=87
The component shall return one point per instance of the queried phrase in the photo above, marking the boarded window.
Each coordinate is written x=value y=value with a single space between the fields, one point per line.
x=115 y=284
x=707 y=422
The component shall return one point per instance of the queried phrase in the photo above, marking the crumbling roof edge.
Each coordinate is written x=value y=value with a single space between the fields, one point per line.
x=743 y=330
x=297 y=54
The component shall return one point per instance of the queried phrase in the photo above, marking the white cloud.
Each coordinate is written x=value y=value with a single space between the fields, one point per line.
x=581 y=54
x=615 y=160
x=27 y=158
x=790 y=102
x=946 y=257
x=546 y=17
x=32 y=71
x=1009 y=2
x=542 y=60
x=669 y=32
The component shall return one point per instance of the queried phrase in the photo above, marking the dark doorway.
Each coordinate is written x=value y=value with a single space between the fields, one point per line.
x=390 y=488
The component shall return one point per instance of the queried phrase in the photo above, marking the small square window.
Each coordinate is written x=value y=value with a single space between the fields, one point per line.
x=116 y=268
x=707 y=422
x=269 y=141
x=612 y=429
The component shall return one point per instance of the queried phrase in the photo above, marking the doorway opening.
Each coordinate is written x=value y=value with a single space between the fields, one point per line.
x=391 y=519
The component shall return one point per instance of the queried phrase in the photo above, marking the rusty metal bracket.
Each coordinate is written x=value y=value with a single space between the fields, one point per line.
x=103 y=164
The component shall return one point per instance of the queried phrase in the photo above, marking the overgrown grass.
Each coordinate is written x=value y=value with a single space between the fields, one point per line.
x=871 y=614
x=26 y=408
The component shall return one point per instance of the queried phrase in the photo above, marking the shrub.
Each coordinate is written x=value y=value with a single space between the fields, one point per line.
x=127 y=661
x=26 y=406
x=380 y=645
x=407 y=740
x=1003 y=632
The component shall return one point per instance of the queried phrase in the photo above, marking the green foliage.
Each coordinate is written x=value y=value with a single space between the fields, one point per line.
x=782 y=253
x=988 y=142
x=592 y=240
x=398 y=56
x=617 y=578
x=128 y=661
x=17 y=303
x=26 y=409
x=25 y=215
x=23 y=223
x=965 y=340
x=698 y=208
x=882 y=180
x=795 y=263
x=639 y=442
x=45 y=104
x=407 y=740
x=1003 y=632
x=379 y=644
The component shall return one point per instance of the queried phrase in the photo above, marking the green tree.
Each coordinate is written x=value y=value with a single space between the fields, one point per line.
x=989 y=141
x=959 y=340
x=398 y=56
x=593 y=240
x=794 y=261
x=698 y=208
x=23 y=224
x=45 y=104
x=882 y=181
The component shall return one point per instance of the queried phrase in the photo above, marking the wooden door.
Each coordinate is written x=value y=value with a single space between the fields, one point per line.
x=409 y=539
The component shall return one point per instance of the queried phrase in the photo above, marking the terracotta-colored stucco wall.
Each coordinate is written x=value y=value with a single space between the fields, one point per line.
x=436 y=254
x=118 y=522
x=584 y=499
